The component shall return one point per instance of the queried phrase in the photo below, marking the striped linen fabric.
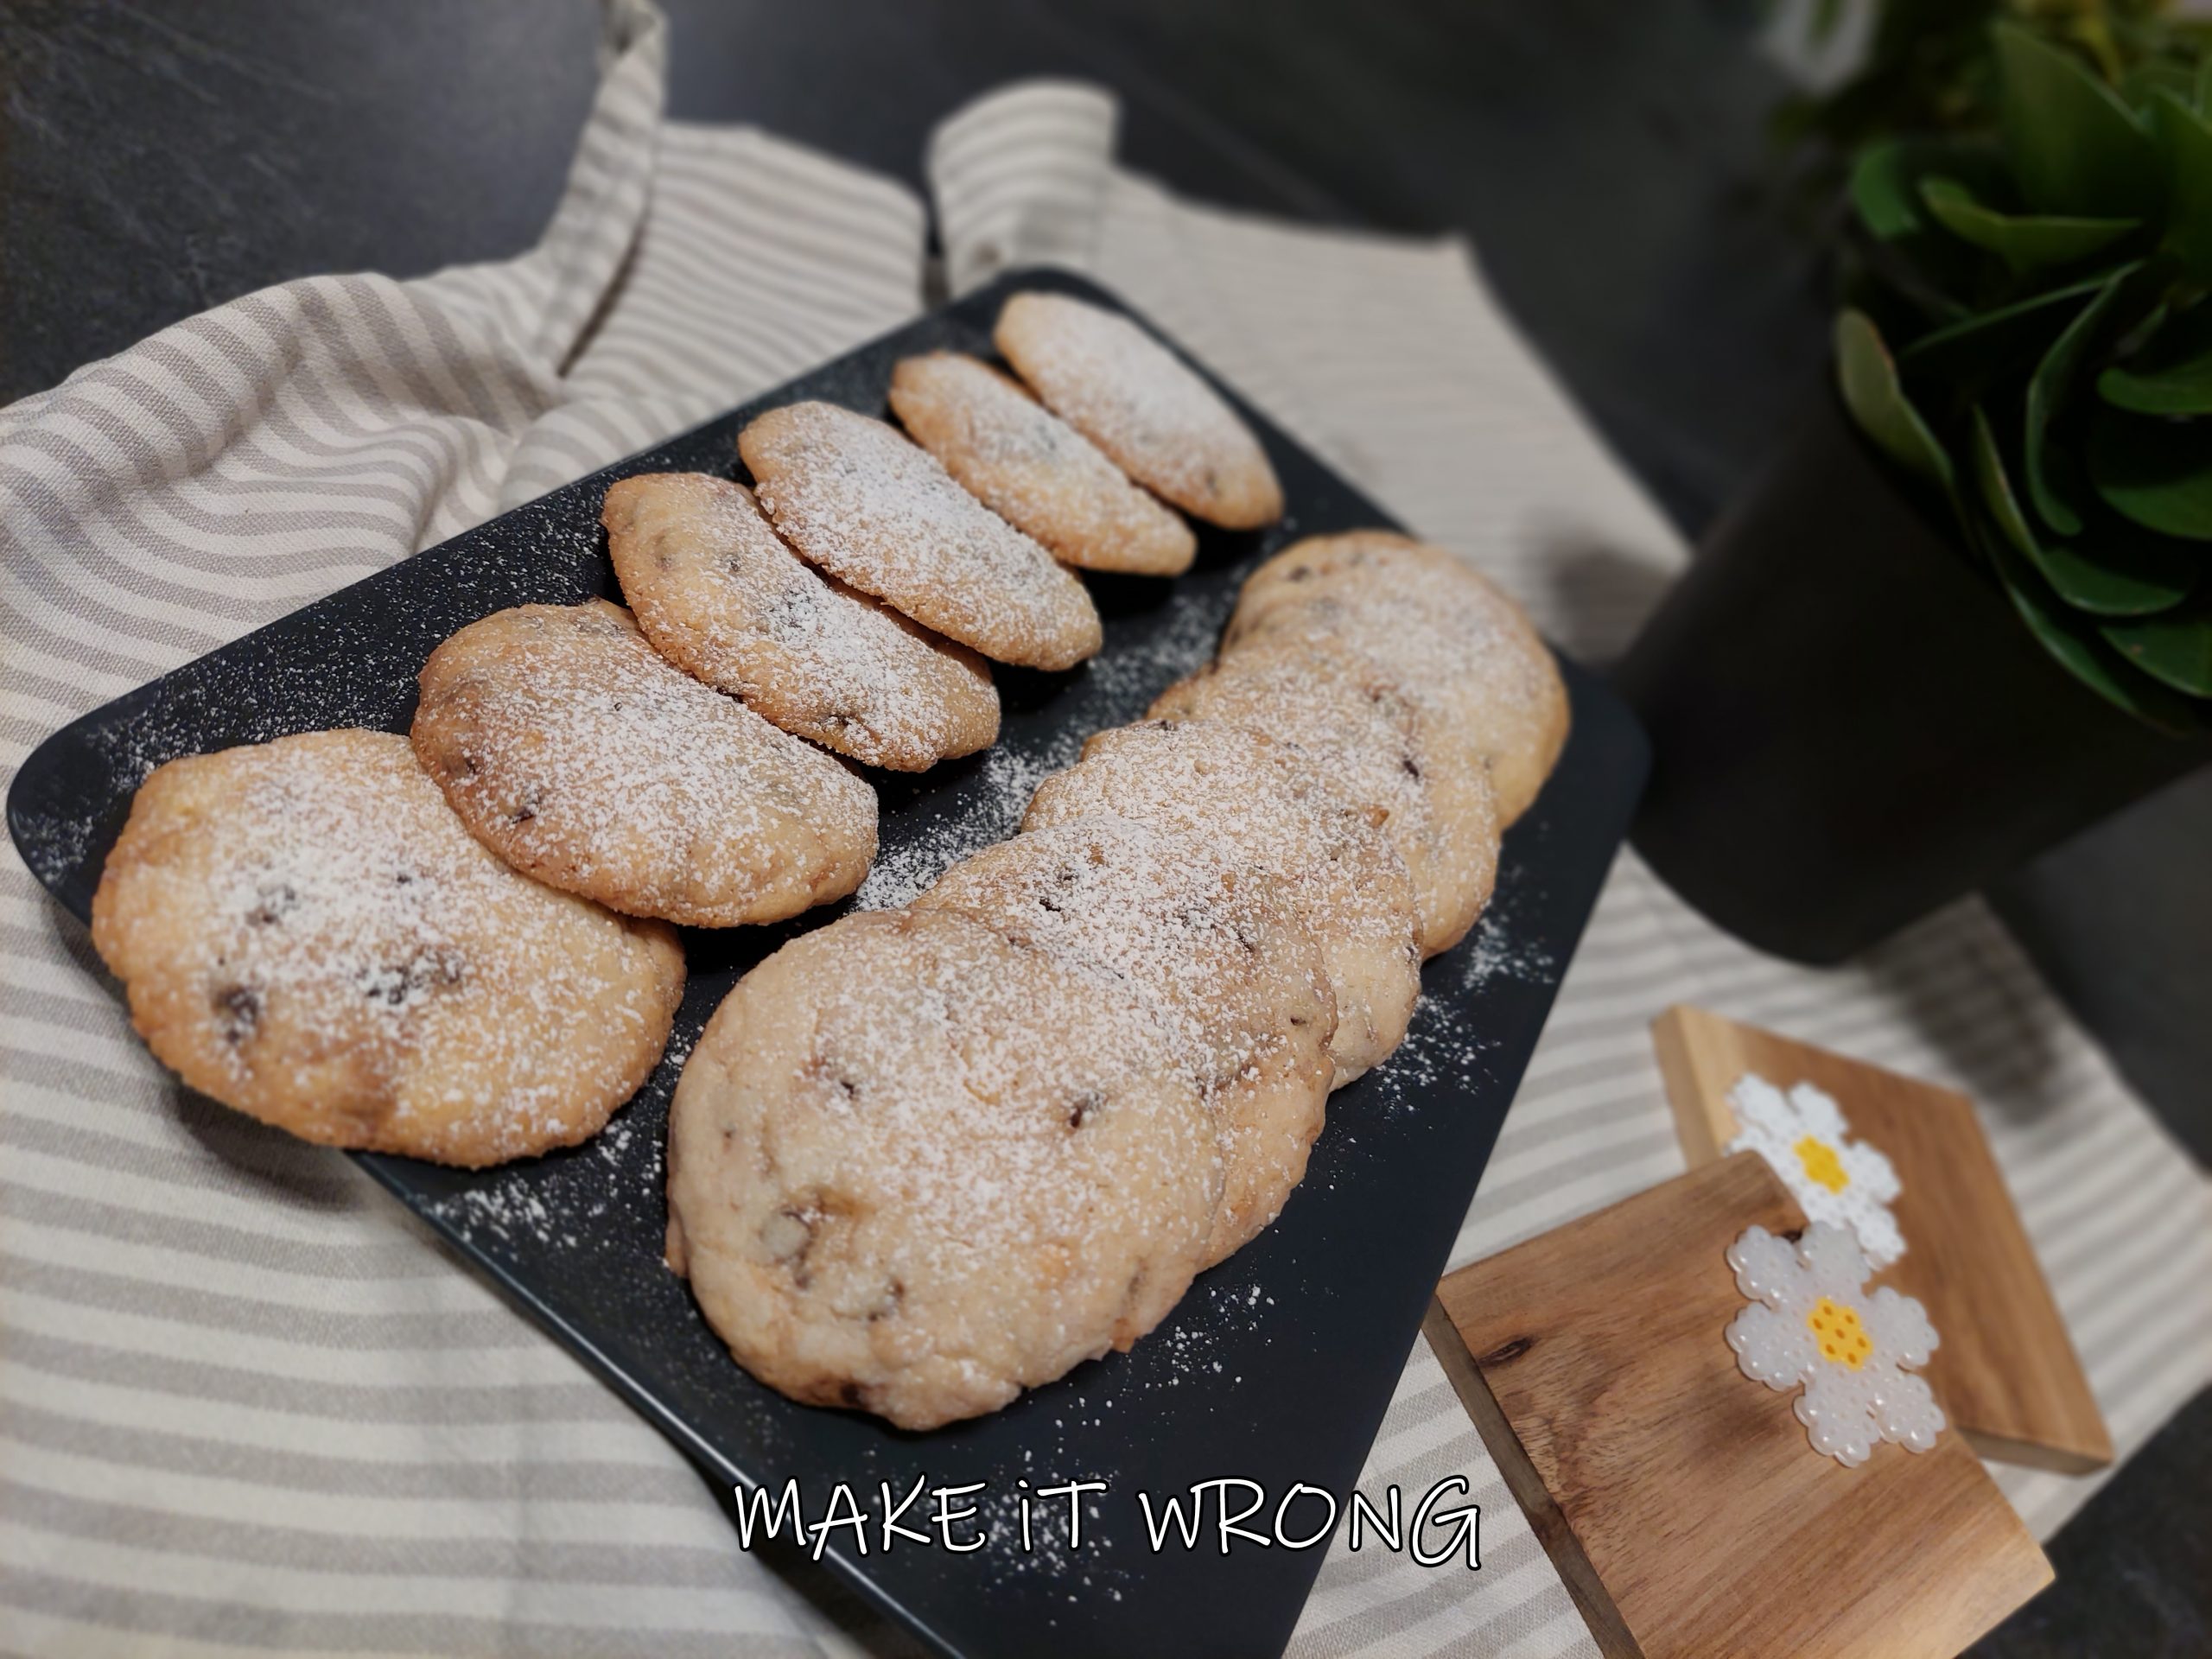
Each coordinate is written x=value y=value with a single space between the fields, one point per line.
x=247 y=1406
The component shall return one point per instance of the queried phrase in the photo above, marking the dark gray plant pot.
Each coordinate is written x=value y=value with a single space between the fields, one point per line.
x=1851 y=726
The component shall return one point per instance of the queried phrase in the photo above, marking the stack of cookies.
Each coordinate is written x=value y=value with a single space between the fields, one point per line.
x=920 y=1160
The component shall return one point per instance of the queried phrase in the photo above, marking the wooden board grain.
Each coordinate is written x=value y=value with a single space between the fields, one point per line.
x=1680 y=1500
x=2007 y=1372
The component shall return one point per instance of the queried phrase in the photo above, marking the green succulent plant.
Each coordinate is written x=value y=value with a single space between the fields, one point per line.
x=2031 y=340
x=1927 y=64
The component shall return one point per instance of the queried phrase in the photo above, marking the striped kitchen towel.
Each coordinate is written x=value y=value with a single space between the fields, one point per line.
x=247 y=1406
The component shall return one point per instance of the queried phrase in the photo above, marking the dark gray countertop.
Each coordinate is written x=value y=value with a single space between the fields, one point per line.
x=1609 y=162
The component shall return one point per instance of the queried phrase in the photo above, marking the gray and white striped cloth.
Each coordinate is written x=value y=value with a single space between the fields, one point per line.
x=246 y=1407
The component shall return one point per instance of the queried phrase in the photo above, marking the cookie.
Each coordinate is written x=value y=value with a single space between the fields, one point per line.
x=1352 y=720
x=1459 y=647
x=915 y=1169
x=720 y=596
x=307 y=933
x=1229 y=975
x=1151 y=414
x=878 y=511
x=1256 y=797
x=580 y=756
x=1035 y=471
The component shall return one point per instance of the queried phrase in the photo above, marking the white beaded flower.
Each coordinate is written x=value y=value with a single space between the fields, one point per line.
x=1811 y=1322
x=1801 y=1135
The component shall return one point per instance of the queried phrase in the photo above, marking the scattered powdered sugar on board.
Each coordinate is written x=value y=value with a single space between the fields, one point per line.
x=1180 y=639
x=1010 y=776
x=1439 y=1052
x=1049 y=1553
x=559 y=1208
x=511 y=1210
x=1493 y=954
x=1192 y=1346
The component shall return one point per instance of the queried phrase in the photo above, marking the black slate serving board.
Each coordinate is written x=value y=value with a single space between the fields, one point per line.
x=1278 y=1365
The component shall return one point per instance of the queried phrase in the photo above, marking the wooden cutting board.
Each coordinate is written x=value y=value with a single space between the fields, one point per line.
x=1680 y=1500
x=2007 y=1372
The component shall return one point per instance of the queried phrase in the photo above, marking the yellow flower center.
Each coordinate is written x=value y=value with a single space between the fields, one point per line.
x=1836 y=1328
x=1822 y=1166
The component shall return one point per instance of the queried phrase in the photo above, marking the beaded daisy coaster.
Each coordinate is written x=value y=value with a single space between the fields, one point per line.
x=1678 y=1497
x=1905 y=1168
x=1810 y=1324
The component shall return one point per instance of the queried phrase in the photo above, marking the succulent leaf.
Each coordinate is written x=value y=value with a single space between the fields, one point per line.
x=2145 y=80
x=2073 y=146
x=2122 y=572
x=1886 y=178
x=2175 y=647
x=2157 y=472
x=1976 y=346
x=2172 y=377
x=2127 y=576
x=2184 y=140
x=2023 y=241
x=2049 y=387
x=2082 y=651
x=1868 y=378
x=1882 y=190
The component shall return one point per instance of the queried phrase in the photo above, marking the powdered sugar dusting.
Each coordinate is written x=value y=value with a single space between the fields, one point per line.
x=1163 y=920
x=1237 y=789
x=1181 y=636
x=1034 y=470
x=1456 y=645
x=1231 y=979
x=338 y=955
x=1130 y=394
x=719 y=594
x=953 y=1210
x=579 y=755
x=1009 y=777
x=1439 y=1055
x=1494 y=954
x=1354 y=721
x=880 y=513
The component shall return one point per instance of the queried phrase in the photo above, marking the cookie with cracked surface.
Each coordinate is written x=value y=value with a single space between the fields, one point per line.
x=1033 y=470
x=915 y=1169
x=878 y=511
x=719 y=594
x=580 y=755
x=1266 y=805
x=1230 y=977
x=307 y=933
x=1459 y=645
x=1353 y=719
x=1151 y=414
